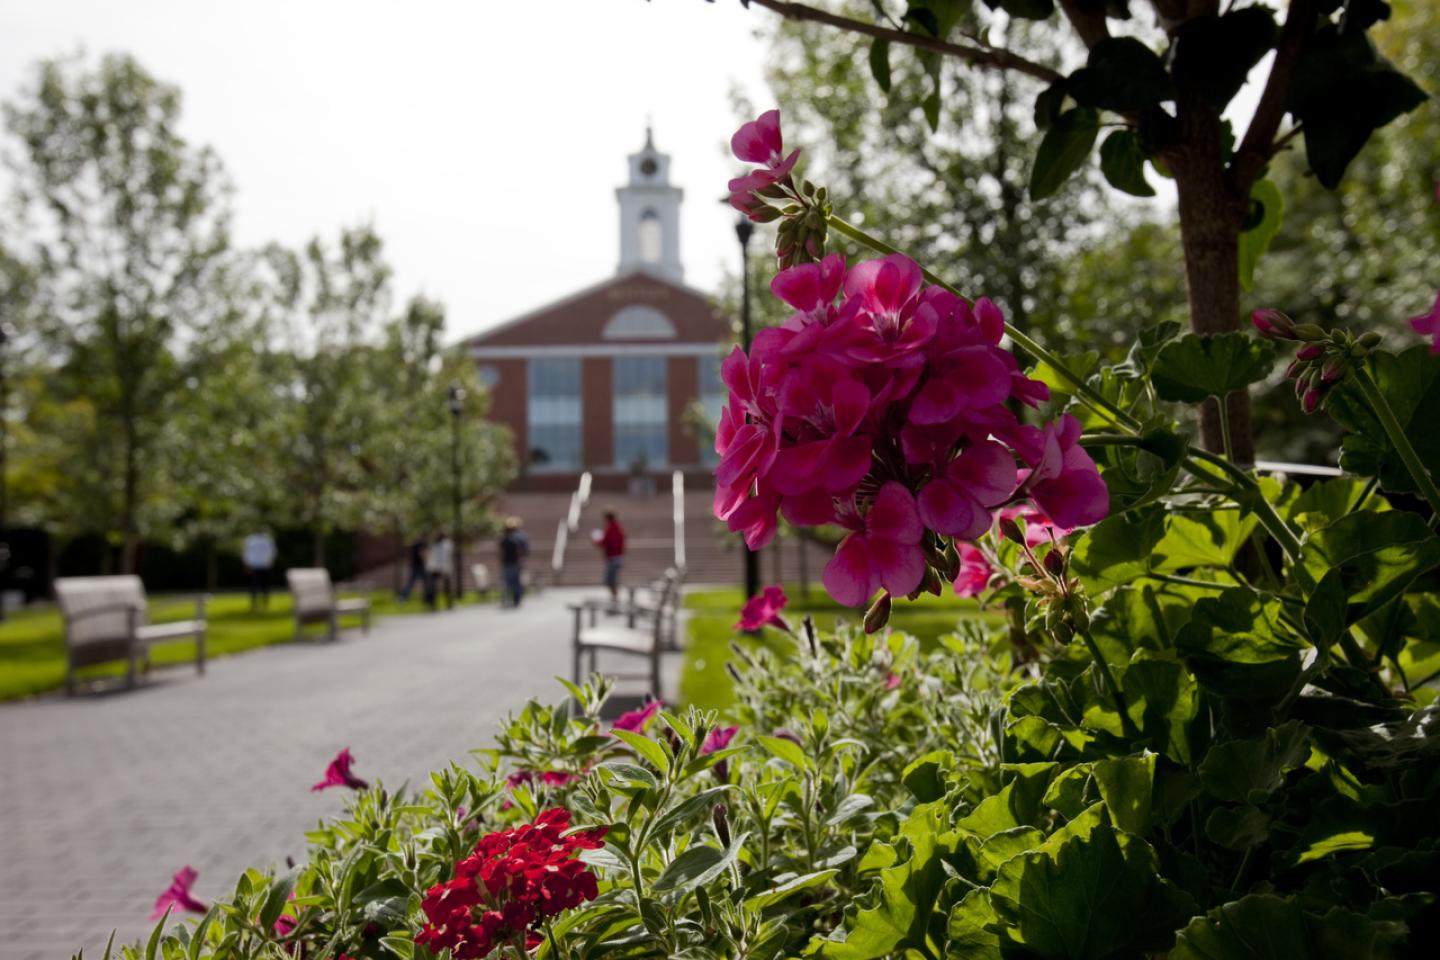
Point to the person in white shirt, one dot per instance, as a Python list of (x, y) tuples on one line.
[(258, 556), (439, 563)]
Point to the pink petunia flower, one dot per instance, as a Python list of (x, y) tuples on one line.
[(1428, 325), (1065, 483), (635, 721), (975, 571), (338, 774), (718, 739), (882, 550), (764, 610), (177, 896), (957, 502)]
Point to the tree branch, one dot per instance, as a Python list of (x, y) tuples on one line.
[(992, 58), (1259, 144)]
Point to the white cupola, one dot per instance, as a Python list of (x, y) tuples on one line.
[(650, 216)]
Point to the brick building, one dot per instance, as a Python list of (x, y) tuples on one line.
[(601, 380)]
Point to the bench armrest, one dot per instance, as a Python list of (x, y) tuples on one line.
[(108, 608)]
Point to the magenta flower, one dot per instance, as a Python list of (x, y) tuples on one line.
[(957, 502), (975, 571), (764, 610), (177, 896), (1273, 324), (889, 319), (1066, 483), (338, 774), (635, 721), (892, 681), (759, 141), (718, 739), (1038, 528), (752, 515), (823, 410), (882, 550), (811, 289), (1428, 325)]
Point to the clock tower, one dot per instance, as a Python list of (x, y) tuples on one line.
[(650, 216)]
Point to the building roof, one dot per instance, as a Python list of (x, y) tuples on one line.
[(632, 309)]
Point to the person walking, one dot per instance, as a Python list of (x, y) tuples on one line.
[(258, 555), (419, 573), (514, 548), (439, 564), (612, 545)]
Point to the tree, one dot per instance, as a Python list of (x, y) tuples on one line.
[(123, 221), (329, 305), (1167, 109)]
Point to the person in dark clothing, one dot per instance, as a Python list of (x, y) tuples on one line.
[(419, 550), (514, 548)]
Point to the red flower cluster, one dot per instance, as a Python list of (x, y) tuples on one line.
[(515, 879)]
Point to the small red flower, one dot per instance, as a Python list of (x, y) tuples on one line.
[(513, 881), (338, 774), (178, 895), (763, 610), (635, 721)]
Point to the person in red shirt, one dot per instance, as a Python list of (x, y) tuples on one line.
[(612, 544)]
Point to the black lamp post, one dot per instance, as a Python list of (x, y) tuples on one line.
[(456, 395), (743, 229)]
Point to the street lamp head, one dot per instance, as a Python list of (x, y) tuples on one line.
[(456, 394), (743, 230)]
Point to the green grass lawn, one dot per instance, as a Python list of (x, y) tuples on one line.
[(32, 646), (703, 680)]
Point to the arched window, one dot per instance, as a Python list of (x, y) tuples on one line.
[(638, 322), (650, 236)]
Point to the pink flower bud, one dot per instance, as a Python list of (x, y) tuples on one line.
[(1272, 323), (1311, 351), (1311, 401)]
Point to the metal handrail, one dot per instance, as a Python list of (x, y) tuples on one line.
[(677, 490)]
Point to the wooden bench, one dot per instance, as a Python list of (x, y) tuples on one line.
[(646, 632), (316, 602), (105, 620)]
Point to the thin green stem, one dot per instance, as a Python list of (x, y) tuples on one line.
[(1125, 722), (1423, 481), (1224, 419), (1087, 395), (1264, 512)]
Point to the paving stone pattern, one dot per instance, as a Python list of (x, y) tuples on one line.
[(104, 796)]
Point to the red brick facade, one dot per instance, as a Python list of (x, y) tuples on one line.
[(636, 315)]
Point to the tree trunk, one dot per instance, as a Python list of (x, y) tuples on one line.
[(212, 566), (1210, 219), (317, 535), (129, 533), (399, 565)]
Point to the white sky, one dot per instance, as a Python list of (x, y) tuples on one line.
[(483, 139)]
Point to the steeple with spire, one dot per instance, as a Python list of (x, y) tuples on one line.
[(650, 215)]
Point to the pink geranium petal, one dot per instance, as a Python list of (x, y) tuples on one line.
[(986, 471), (900, 566), (948, 509), (849, 576), (893, 515)]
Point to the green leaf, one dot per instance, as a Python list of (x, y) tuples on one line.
[(787, 750), (1122, 75), (1195, 367), (646, 748), (880, 62), (275, 900), (1048, 104), (1267, 927), (1363, 561), (689, 809), (1342, 91), (1237, 828), (1410, 383), (1164, 701), (1088, 897), (1213, 55), (897, 912), (969, 930), (697, 866), (1123, 163), (1248, 771), (1125, 784), (1238, 646), (630, 772), (924, 777), (1064, 150), (775, 894), (1256, 240)]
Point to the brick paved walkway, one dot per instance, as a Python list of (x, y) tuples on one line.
[(103, 797)]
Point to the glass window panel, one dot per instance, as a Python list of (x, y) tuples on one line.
[(641, 411), (554, 412), (713, 397)]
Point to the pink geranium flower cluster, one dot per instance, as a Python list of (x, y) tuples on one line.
[(886, 406)]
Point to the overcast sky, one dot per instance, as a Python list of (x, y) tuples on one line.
[(483, 139)]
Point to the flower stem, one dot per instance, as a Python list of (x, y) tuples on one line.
[(1383, 411), (1126, 723), (1091, 397), (1224, 418)]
